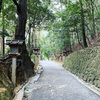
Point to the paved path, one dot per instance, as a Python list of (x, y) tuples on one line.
[(56, 83)]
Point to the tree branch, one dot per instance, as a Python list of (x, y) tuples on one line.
[(15, 2), (17, 5)]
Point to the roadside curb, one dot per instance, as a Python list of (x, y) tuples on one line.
[(89, 86), (27, 87)]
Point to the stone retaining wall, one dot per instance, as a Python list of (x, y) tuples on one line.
[(85, 64)]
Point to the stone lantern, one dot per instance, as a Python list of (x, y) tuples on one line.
[(36, 50), (16, 47)]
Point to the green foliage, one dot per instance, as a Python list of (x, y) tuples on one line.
[(4, 33), (63, 23), (32, 57), (67, 27), (5, 95), (38, 13), (1, 54)]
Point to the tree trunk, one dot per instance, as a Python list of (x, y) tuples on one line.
[(0, 5), (35, 39), (3, 38), (93, 21), (29, 40), (78, 37), (20, 35), (69, 41), (83, 25)]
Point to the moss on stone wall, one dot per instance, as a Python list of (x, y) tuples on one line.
[(85, 64)]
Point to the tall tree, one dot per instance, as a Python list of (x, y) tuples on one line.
[(20, 35), (0, 5), (3, 37), (93, 20), (83, 24), (22, 18)]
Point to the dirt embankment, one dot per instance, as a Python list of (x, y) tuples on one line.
[(85, 64), (6, 89)]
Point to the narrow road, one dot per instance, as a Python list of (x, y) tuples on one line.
[(56, 83)]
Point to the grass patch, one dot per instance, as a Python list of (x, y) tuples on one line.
[(5, 94)]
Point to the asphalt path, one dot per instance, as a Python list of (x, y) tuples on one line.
[(55, 83)]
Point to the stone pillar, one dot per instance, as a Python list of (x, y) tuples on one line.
[(14, 70)]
